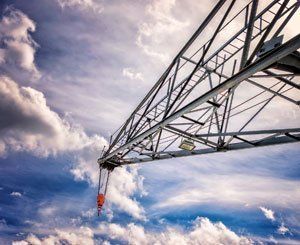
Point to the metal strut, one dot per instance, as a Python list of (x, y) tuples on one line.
[(215, 90)]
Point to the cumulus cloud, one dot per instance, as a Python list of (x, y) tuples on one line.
[(83, 235), (82, 4), (17, 48), (124, 183), (132, 74), (202, 232), (16, 194), (158, 28), (30, 125), (268, 213)]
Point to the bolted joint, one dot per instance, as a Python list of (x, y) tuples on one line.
[(108, 165)]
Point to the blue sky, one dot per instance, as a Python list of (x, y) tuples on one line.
[(71, 71)]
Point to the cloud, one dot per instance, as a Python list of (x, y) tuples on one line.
[(47, 211), (282, 229), (235, 191), (89, 213), (124, 183), (228, 180), (132, 74), (202, 232), (16, 194), (82, 4), (17, 48), (268, 213), (158, 28), (83, 235), (30, 125)]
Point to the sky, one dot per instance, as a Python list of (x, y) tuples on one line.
[(71, 72)]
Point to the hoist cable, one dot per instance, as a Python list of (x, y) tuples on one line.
[(108, 174), (99, 180)]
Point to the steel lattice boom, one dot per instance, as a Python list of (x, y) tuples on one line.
[(217, 93)]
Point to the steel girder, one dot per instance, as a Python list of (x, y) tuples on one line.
[(200, 93)]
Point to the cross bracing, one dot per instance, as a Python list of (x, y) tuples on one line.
[(222, 91)]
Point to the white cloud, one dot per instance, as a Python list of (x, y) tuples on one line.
[(92, 212), (47, 211), (89, 213), (160, 26), (86, 167), (268, 213), (236, 190), (18, 48), (82, 4), (282, 229), (16, 194), (124, 183), (30, 125), (202, 232), (83, 235), (132, 74)]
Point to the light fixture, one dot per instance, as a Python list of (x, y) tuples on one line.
[(187, 144)]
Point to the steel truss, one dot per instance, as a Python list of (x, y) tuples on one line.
[(214, 89)]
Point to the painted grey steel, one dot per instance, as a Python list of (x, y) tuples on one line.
[(249, 33), (254, 132), (259, 65), (186, 46), (235, 146), (167, 113)]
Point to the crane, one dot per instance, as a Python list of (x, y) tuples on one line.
[(213, 95)]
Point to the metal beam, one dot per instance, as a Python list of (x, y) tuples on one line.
[(249, 33), (206, 49), (232, 147), (282, 79), (252, 132), (267, 32), (259, 65), (165, 74), (273, 92), (189, 135)]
